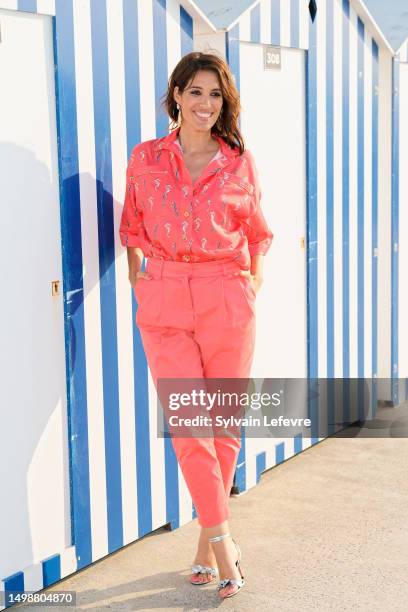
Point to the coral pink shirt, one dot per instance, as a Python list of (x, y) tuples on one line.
[(216, 218)]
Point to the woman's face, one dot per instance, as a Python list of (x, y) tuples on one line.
[(201, 101)]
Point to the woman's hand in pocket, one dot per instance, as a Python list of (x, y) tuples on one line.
[(136, 275), (255, 279)]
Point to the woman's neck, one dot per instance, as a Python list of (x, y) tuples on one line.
[(195, 142)]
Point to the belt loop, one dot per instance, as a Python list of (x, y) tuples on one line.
[(161, 268)]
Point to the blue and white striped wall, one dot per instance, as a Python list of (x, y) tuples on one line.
[(348, 69), (399, 227), (113, 59)]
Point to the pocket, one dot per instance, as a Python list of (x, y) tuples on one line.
[(148, 296), (137, 287), (239, 299), (249, 286)]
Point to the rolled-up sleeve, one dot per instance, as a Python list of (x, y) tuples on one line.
[(257, 231), (131, 230)]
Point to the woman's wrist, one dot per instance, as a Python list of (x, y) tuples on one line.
[(256, 271)]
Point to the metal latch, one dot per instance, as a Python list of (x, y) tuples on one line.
[(55, 287)]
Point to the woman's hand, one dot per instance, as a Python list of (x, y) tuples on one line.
[(135, 259), (135, 275), (255, 279)]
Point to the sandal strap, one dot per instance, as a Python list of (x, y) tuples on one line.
[(223, 583), (219, 538), (202, 569)]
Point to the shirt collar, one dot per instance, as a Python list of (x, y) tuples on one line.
[(169, 142)]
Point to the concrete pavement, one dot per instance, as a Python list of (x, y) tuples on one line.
[(326, 530)]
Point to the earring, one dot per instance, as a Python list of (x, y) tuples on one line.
[(178, 114)]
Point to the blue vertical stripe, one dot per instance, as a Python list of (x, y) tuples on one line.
[(275, 22), (346, 184), (395, 231), (260, 465), (132, 75), (51, 570), (27, 5), (280, 453), (311, 229), (186, 32), (140, 384), (107, 277), (12, 585), (329, 215), (360, 217), (172, 484), (345, 170), (160, 63), (298, 443), (329, 190), (360, 204), (73, 280), (294, 24), (255, 18), (233, 53), (374, 191), (311, 201)]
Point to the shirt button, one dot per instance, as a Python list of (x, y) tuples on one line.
[(186, 213), (186, 257)]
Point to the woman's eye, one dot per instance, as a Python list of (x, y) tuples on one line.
[(215, 93)]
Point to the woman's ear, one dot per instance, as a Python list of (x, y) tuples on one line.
[(176, 94)]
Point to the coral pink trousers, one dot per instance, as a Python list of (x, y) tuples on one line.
[(197, 320)]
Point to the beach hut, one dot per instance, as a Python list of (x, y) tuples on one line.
[(83, 472), (315, 81)]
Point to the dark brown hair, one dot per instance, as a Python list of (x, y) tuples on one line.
[(184, 73)]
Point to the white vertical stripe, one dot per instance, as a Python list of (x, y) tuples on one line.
[(92, 315), (245, 26), (338, 191), (367, 205), (353, 84), (173, 36), (124, 320), (321, 191), (46, 7), (304, 17), (403, 226), (185, 501), (9, 4), (285, 15), (146, 71), (33, 577), (266, 22), (68, 561)]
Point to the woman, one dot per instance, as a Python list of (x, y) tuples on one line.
[(192, 207)]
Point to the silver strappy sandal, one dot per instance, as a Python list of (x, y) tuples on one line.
[(202, 569), (234, 581)]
